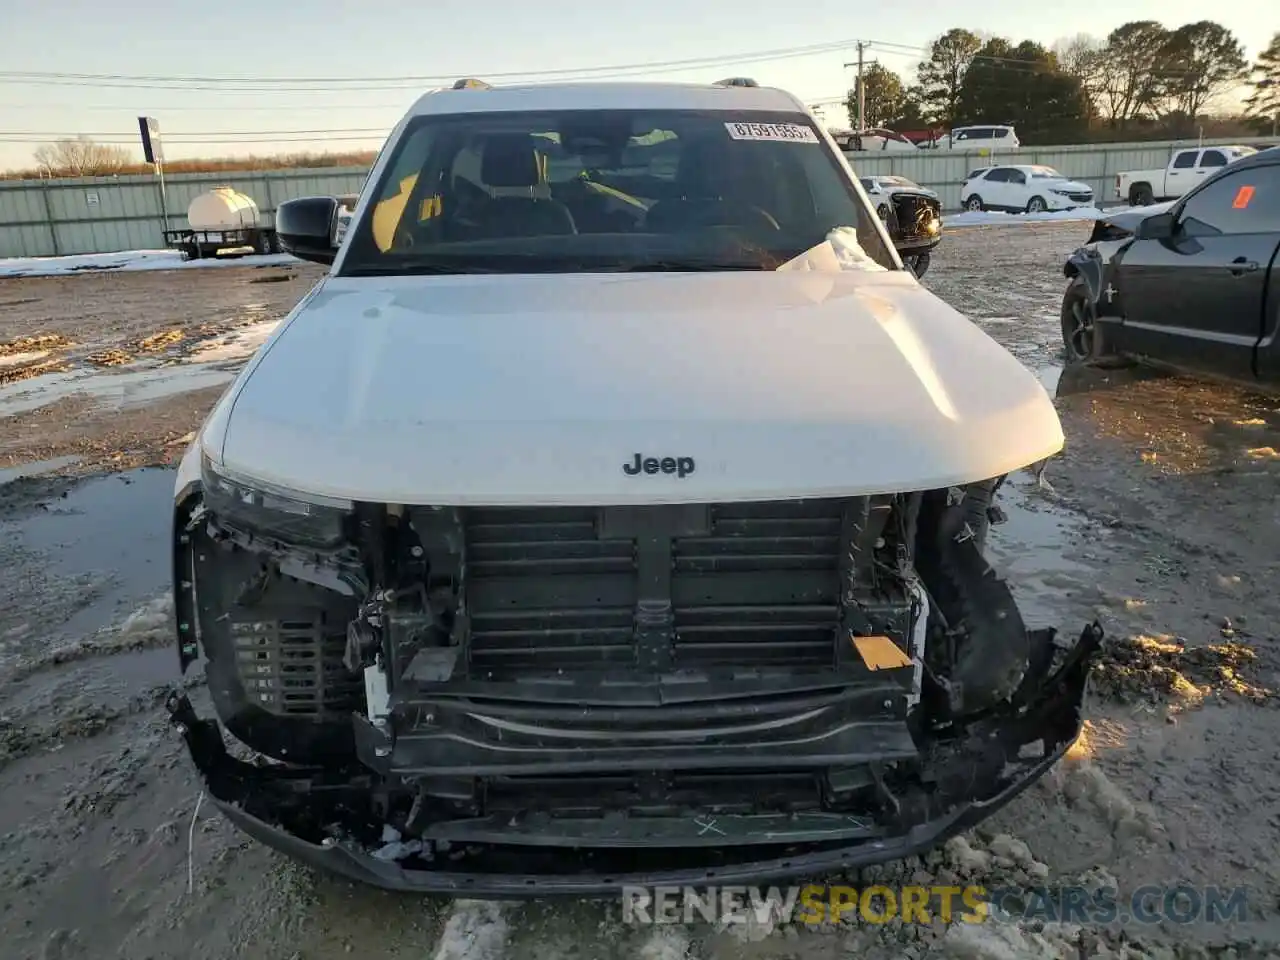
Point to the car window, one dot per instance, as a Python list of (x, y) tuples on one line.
[(999, 134), (1186, 159), (1041, 173), (868, 183), (1246, 201), (590, 190), (1213, 158), (1017, 176), (999, 174), (974, 174)]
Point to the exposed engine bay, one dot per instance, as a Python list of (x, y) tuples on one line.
[(488, 698)]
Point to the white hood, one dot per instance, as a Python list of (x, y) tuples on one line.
[(1075, 186), (501, 390)]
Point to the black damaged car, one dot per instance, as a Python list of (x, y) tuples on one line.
[(1192, 285)]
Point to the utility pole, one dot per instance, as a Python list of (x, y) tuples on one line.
[(862, 93)]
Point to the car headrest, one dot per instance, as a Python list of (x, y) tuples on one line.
[(510, 160)]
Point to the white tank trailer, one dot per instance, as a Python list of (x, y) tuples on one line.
[(223, 221)]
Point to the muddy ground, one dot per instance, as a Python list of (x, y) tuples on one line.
[(1161, 519)]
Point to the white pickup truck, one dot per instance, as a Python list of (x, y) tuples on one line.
[(1186, 168)]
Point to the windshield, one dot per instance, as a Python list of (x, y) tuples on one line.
[(1041, 173), (607, 190)]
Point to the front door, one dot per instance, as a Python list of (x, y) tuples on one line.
[(994, 188), (1180, 176), (1196, 298)]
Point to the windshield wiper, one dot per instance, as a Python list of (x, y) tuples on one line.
[(419, 269), (692, 266)]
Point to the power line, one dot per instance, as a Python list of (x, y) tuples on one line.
[(330, 84), (43, 134), (327, 106), (371, 138)]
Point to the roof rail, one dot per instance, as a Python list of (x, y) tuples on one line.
[(737, 82), (471, 83)]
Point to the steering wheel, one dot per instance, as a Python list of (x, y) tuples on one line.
[(741, 215), (759, 213), (403, 238)]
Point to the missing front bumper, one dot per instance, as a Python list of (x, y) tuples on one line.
[(324, 816)]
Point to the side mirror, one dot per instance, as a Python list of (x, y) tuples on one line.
[(1159, 226), (305, 228)]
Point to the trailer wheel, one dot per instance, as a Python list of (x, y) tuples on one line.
[(189, 251), (274, 241), (262, 244)]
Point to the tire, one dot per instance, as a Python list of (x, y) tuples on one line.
[(262, 244), (882, 212), (974, 203), (919, 264), (1140, 195), (274, 241), (1037, 205), (1084, 341)]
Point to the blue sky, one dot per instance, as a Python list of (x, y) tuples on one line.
[(448, 38)]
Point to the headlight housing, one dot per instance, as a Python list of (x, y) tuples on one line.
[(268, 511)]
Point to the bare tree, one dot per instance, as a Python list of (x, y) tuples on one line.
[(1127, 84), (1200, 61), (1084, 57), (81, 157)]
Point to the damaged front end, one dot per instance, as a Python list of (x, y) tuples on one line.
[(516, 702), (915, 225)]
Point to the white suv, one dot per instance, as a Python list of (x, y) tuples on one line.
[(612, 512), (1032, 188), (981, 138)]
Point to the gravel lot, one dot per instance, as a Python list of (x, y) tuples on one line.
[(1160, 519)]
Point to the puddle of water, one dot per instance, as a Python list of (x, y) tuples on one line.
[(16, 359), (144, 384), (116, 526), (238, 344), (1049, 377), (9, 474), (1031, 551)]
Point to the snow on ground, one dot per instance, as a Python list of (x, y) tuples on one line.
[(985, 218), (128, 260)]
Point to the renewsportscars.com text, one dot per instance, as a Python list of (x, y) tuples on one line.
[(815, 904)]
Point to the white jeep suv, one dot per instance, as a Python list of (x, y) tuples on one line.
[(612, 512)]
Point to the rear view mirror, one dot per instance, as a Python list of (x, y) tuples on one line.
[(305, 228), (1159, 226)]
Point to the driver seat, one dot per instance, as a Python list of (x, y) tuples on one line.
[(512, 160), (710, 192)]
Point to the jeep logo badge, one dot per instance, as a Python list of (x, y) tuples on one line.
[(680, 466)]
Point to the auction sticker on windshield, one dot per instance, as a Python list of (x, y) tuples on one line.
[(790, 132)]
